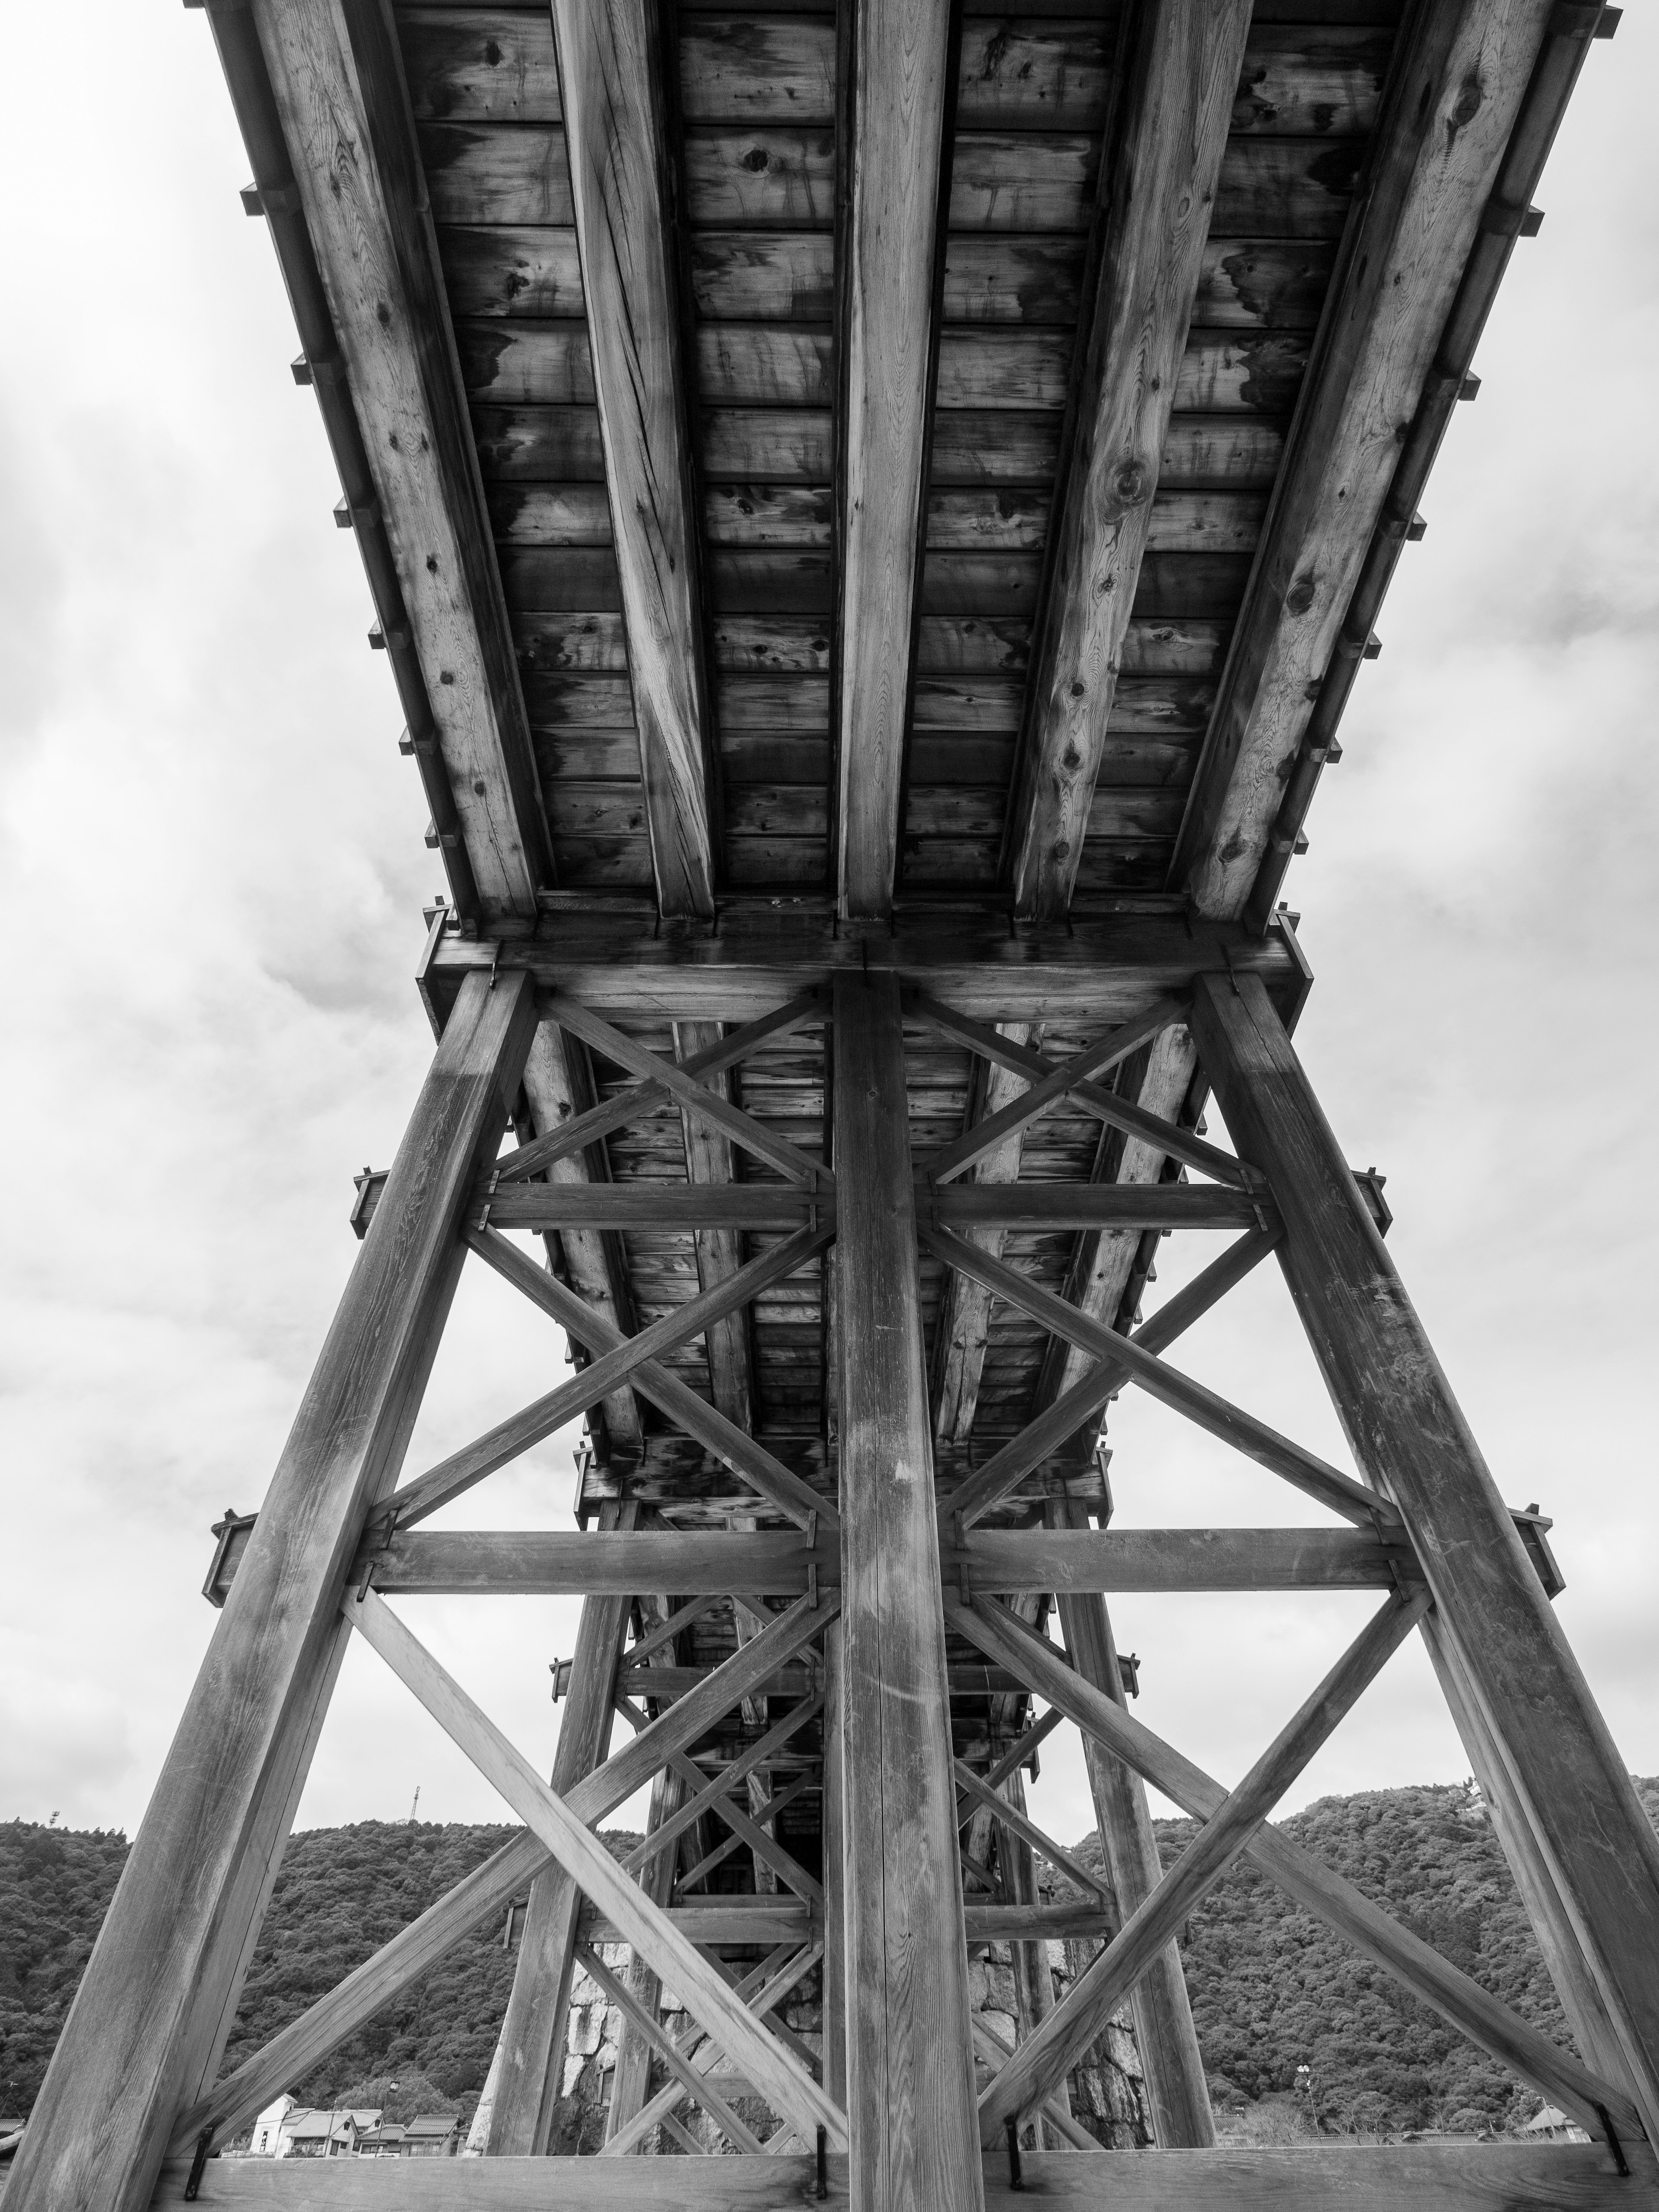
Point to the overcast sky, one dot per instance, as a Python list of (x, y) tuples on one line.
[(215, 869)]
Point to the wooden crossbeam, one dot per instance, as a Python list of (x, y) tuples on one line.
[(700, 1208), (508, 1439), (896, 90), (767, 1858), (767, 1850), (964, 1331), (1210, 1411), (1155, 203), (1177, 1144), (1448, 109), (975, 1792), (1045, 1090), (614, 74), (1061, 1418), (691, 1809), (1462, 2177), (778, 2076), (649, 1096), (711, 1162), (1455, 1996), (990, 2048), (697, 2085), (295, 2050), (792, 1497), (1047, 2057), (1103, 970), (692, 1097)]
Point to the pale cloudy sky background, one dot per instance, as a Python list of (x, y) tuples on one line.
[(215, 869)]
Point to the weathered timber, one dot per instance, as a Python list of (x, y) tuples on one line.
[(295, 2050), (1171, 2062), (631, 2080), (1014, 1818), (144, 2036), (910, 2082), (1310, 1475), (1475, 2176), (1455, 1996), (898, 62), (775, 2073), (646, 2024), (1175, 113), (963, 1332), (1408, 1432), (337, 79), (530, 2049), (1447, 116), (710, 1162), (1048, 2056), (613, 63), (1111, 969)]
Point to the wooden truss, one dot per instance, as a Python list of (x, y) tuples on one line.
[(886, 1646)]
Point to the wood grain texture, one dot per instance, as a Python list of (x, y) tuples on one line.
[(1179, 108), (1044, 2061), (1408, 1433), (774, 2072), (1446, 120), (966, 1323), (910, 2082), (1432, 2178), (530, 2049), (611, 66), (1455, 1996), (899, 59), (295, 2050), (145, 2034), (339, 84)]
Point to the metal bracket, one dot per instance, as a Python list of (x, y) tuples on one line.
[(1014, 2180), (204, 2144), (821, 2186)]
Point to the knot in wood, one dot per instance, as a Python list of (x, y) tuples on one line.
[(1132, 483), (1300, 597)]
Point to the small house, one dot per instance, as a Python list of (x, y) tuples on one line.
[(321, 2135), (386, 2141), (434, 2135)]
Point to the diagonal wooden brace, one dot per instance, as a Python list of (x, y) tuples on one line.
[(775, 2075)]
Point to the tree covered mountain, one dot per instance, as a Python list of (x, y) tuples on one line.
[(1273, 1991)]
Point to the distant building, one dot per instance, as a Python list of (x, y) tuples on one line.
[(384, 2142), (267, 2140), (326, 2134), (1554, 2126), (436, 2135)]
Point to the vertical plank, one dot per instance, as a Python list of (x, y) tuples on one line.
[(900, 65), (834, 1876), (910, 2065), (710, 1159), (632, 2078), (964, 1330), (1034, 1984), (1409, 1435), (1155, 215), (144, 2036), (614, 76), (532, 2041), (1164, 2033)]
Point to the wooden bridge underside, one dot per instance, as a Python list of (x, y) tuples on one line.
[(874, 513)]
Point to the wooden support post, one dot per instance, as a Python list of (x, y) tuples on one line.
[(144, 2036), (911, 2079), (531, 2058), (1164, 2033), (1408, 1434), (835, 1858), (631, 2082), (1033, 1984)]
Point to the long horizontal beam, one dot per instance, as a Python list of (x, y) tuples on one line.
[(1110, 969), (536, 1563), (1464, 2177), (762, 1206)]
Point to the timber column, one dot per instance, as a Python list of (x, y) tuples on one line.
[(910, 2102), (1537, 1717), (146, 2032)]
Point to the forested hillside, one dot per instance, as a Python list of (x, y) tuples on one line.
[(1271, 1990)]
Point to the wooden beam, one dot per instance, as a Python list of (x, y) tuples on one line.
[(832, 1825), (297, 2049), (632, 2077), (1408, 1432), (707, 1208), (710, 1209), (897, 89), (965, 1316), (1450, 1992), (1060, 1420), (530, 2053), (911, 2081), (646, 2024), (1449, 110), (614, 75), (1043, 2063), (1013, 1817), (1041, 1207), (1107, 970), (145, 2034), (1464, 2177), (1314, 1476), (1156, 192), (775, 2075), (1172, 2063), (791, 1495), (710, 1161), (558, 1084), (338, 82)]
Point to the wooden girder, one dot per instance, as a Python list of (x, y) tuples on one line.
[(1156, 190), (1453, 94)]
